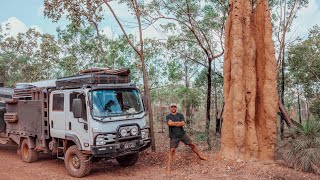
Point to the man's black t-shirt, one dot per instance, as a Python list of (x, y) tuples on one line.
[(175, 132)]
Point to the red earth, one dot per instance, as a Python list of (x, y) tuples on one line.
[(151, 165)]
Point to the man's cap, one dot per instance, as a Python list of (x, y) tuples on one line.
[(173, 104)]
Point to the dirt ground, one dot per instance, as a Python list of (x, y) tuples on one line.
[(150, 166)]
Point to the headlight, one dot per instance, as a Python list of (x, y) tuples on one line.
[(123, 132), (134, 131), (99, 141), (145, 134)]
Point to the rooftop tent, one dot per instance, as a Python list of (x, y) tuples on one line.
[(6, 92), (24, 90), (40, 84)]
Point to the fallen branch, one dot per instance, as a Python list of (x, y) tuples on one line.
[(285, 115)]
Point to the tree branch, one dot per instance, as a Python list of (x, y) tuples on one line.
[(124, 32), (290, 18), (137, 12), (190, 20)]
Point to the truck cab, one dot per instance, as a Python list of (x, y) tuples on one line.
[(105, 121)]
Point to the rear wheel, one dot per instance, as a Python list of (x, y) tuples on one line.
[(128, 160), (77, 164), (28, 155)]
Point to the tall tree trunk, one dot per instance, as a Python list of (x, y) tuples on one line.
[(250, 83), (299, 106), (218, 119), (147, 94), (187, 85), (282, 95), (307, 108), (219, 122), (283, 65), (207, 131)]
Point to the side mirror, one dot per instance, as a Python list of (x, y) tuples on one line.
[(77, 108)]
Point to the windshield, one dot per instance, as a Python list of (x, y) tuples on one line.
[(115, 102)]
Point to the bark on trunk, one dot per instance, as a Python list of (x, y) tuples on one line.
[(218, 124), (250, 83), (307, 108), (282, 95), (187, 85), (208, 118), (147, 94), (299, 108), (285, 115)]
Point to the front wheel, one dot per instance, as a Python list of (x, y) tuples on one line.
[(128, 160), (77, 164), (28, 155)]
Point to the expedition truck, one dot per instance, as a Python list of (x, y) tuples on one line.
[(80, 119)]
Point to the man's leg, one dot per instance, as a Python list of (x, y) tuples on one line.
[(170, 157), (173, 145), (187, 140), (196, 150)]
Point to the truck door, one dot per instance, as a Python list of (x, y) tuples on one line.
[(57, 115), (77, 127)]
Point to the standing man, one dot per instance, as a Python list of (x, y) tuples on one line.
[(176, 122)]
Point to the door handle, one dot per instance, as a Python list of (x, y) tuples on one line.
[(69, 125)]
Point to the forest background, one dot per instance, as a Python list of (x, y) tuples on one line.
[(174, 50)]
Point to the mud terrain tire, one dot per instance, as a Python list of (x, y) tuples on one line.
[(77, 164), (28, 155)]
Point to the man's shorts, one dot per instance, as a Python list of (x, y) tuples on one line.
[(175, 142)]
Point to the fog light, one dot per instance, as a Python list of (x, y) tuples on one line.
[(99, 141), (134, 131), (123, 132)]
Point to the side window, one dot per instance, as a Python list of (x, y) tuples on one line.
[(58, 102), (74, 95)]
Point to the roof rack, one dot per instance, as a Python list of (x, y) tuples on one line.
[(106, 71), (88, 77), (94, 76)]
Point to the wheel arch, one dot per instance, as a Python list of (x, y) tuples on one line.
[(74, 139), (31, 141)]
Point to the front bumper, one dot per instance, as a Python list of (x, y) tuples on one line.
[(120, 149)]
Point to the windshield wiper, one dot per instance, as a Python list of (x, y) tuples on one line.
[(111, 113)]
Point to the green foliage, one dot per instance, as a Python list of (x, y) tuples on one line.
[(27, 57), (309, 128), (303, 152), (304, 64), (200, 137), (202, 80), (188, 96), (174, 71), (315, 108), (302, 74), (79, 49), (78, 11)]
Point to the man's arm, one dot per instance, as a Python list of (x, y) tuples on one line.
[(177, 124)]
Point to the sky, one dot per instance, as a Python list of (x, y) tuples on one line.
[(23, 14)]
